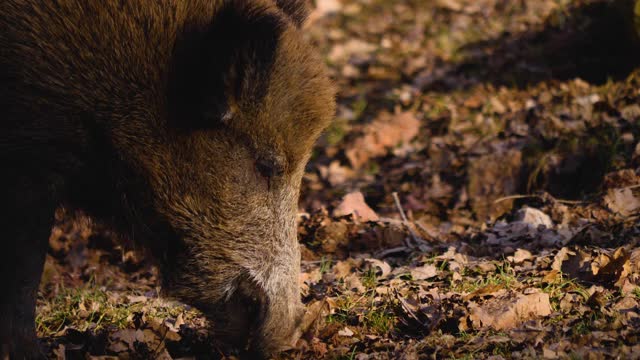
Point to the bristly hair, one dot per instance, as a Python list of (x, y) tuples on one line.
[(230, 60), (297, 10)]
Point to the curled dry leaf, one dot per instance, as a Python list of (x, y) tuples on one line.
[(560, 257), (384, 267), (604, 268), (616, 268)]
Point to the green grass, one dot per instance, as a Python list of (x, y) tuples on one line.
[(380, 321), (583, 327), (325, 265), (560, 286), (504, 276), (82, 308), (365, 312), (350, 356), (91, 306), (370, 279), (344, 305)]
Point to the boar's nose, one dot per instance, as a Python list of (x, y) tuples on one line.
[(279, 327), (237, 323), (254, 323)]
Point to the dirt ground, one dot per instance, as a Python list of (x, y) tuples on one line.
[(478, 197)]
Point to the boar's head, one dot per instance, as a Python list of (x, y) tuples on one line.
[(194, 119), (247, 98)]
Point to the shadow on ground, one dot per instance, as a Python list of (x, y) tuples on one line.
[(594, 42)]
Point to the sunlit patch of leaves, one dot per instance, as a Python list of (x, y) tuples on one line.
[(82, 308), (94, 307)]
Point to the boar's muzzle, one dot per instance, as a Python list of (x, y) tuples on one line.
[(252, 325)]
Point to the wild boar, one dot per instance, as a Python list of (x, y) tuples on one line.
[(186, 124)]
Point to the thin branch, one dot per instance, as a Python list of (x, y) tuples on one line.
[(514, 197), (417, 241), (387, 252)]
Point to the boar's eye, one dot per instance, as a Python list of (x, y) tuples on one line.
[(269, 168)]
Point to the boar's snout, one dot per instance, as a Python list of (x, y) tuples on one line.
[(255, 322)]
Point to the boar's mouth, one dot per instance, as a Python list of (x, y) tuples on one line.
[(238, 319)]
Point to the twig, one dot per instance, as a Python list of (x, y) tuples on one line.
[(161, 344), (399, 206), (405, 221), (513, 197), (387, 252)]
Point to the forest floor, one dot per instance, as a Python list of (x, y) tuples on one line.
[(478, 197)]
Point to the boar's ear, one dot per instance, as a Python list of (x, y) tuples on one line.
[(223, 64), (297, 10)]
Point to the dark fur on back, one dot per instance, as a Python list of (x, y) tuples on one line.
[(186, 124)]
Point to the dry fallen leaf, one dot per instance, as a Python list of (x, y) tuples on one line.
[(520, 256), (426, 271), (384, 267), (622, 201), (508, 311), (311, 277), (489, 290), (137, 299), (345, 332), (325, 7), (551, 276), (453, 5), (123, 340), (342, 52), (383, 133), (352, 282), (616, 269), (353, 203), (561, 256), (534, 217), (335, 173), (342, 269)]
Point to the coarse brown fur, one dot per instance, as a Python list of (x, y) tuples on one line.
[(187, 124)]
